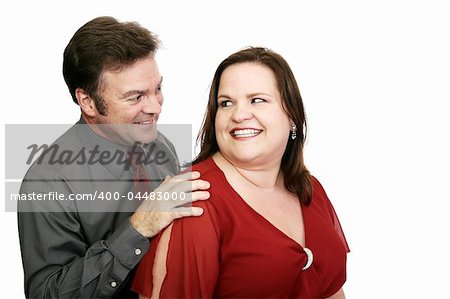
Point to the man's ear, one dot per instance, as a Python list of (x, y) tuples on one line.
[(86, 103)]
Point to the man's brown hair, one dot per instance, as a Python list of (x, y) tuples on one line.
[(104, 44)]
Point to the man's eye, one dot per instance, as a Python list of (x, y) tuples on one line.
[(258, 100), (159, 88), (225, 104), (135, 99)]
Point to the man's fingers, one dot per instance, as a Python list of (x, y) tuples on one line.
[(167, 201), (189, 198), (200, 185), (200, 195), (183, 186), (187, 212), (192, 175)]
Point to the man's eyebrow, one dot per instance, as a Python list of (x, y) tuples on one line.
[(138, 92), (133, 92)]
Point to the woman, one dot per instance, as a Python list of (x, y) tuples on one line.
[(268, 229)]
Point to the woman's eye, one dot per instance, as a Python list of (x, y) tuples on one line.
[(258, 100), (225, 104)]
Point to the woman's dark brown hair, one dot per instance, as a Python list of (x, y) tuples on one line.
[(297, 178)]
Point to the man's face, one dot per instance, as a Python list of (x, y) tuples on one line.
[(133, 101)]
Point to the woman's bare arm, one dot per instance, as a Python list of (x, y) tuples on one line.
[(339, 295), (159, 267)]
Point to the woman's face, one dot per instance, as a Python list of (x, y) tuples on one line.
[(251, 126)]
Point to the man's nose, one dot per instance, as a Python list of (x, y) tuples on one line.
[(152, 104)]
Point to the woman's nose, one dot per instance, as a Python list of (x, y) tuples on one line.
[(242, 112)]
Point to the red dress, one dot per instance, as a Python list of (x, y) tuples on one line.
[(231, 251)]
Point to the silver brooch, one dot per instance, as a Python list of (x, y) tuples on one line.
[(309, 258)]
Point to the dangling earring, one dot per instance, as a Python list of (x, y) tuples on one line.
[(293, 130)]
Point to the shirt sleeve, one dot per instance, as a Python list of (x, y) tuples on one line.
[(192, 264), (59, 263), (333, 215), (334, 282)]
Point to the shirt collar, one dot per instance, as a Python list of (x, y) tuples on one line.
[(93, 141)]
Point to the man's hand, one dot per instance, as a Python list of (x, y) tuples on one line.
[(173, 199)]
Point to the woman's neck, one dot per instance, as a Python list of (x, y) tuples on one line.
[(267, 177)]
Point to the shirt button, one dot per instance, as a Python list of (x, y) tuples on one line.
[(137, 251), (113, 284)]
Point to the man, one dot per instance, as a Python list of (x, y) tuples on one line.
[(89, 248)]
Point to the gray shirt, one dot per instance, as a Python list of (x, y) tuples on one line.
[(87, 248)]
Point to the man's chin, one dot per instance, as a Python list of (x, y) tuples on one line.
[(145, 139), (144, 136)]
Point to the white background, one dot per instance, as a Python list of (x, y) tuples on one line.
[(374, 76)]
